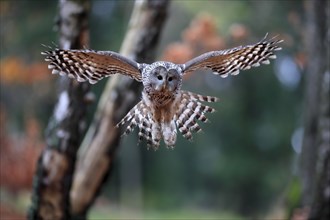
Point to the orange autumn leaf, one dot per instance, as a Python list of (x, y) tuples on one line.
[(11, 69), (15, 71), (238, 32), (178, 53), (201, 36), (18, 155)]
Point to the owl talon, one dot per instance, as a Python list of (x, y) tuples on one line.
[(170, 147), (155, 147)]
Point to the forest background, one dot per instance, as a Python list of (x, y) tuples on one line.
[(248, 160)]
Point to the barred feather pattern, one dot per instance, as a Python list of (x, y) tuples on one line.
[(190, 110), (90, 65), (139, 116), (164, 107), (231, 61)]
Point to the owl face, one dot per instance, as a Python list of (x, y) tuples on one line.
[(163, 77)]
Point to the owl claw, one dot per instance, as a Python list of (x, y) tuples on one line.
[(154, 147), (171, 147)]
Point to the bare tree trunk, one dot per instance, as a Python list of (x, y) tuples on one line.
[(54, 174), (316, 149), (121, 93), (320, 208)]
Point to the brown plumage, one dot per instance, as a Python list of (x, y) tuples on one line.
[(164, 107)]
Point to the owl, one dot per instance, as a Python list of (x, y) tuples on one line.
[(164, 107)]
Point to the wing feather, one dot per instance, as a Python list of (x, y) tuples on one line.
[(139, 117), (190, 110), (91, 65), (231, 61)]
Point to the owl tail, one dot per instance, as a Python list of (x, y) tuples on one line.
[(149, 129), (139, 117), (190, 110)]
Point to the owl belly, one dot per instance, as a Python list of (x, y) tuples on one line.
[(161, 105), (162, 114)]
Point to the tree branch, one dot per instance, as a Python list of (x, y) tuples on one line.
[(119, 96), (316, 144), (54, 174)]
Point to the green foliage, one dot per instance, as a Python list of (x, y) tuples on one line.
[(294, 194)]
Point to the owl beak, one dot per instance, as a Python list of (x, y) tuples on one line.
[(160, 87)]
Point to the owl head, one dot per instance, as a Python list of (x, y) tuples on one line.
[(162, 77)]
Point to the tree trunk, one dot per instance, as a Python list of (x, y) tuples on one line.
[(316, 149), (120, 94), (54, 174)]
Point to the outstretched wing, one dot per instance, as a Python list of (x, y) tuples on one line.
[(231, 61), (91, 65)]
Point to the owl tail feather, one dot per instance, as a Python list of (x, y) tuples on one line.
[(190, 110), (138, 117)]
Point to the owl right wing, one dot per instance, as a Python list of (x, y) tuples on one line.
[(91, 65), (231, 61)]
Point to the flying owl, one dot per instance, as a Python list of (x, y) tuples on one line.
[(164, 107)]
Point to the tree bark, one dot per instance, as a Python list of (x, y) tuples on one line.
[(121, 93), (54, 174), (316, 149), (320, 208)]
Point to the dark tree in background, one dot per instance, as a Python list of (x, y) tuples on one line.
[(316, 143), (54, 174)]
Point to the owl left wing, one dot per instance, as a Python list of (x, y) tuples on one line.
[(231, 61), (91, 65)]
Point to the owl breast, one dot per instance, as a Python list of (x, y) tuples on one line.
[(161, 98), (162, 115)]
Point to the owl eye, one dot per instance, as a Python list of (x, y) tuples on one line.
[(170, 79), (159, 77)]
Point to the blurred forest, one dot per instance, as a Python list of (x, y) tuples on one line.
[(245, 163)]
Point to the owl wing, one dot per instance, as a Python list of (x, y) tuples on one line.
[(91, 65), (231, 61)]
